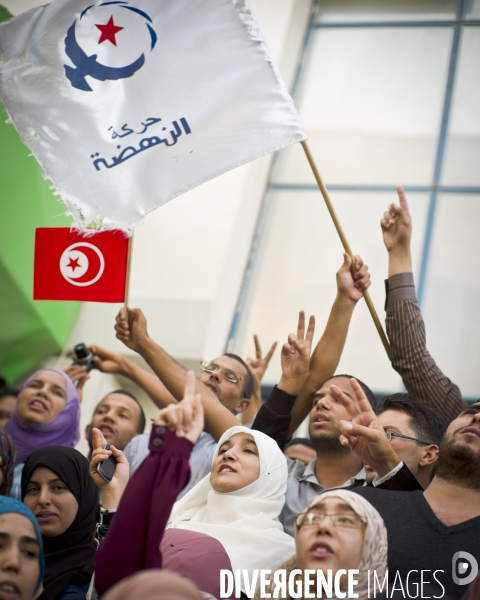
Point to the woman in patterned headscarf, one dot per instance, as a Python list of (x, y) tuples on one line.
[(338, 530), (7, 463)]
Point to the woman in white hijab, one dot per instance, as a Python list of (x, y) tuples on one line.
[(229, 520), (243, 520)]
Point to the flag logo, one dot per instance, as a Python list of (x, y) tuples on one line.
[(108, 42), (82, 264)]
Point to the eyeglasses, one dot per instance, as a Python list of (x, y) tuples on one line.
[(342, 520), (391, 434), (228, 374)]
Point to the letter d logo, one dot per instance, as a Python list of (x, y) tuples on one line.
[(462, 568)]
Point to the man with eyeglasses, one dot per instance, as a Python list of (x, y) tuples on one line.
[(427, 529), (414, 431), (225, 385)]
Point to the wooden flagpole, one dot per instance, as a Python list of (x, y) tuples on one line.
[(345, 243), (127, 275)]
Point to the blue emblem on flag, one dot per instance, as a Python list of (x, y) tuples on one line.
[(102, 37)]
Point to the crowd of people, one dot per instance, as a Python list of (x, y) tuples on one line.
[(382, 500)]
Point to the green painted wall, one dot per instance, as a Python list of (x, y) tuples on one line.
[(29, 331)]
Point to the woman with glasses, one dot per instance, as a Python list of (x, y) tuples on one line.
[(339, 530), (227, 521)]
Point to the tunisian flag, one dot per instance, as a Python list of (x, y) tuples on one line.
[(70, 266)]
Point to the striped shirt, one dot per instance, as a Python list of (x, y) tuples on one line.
[(421, 376)]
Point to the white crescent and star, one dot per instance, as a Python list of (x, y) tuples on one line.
[(82, 264)]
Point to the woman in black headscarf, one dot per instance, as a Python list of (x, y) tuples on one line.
[(57, 487), (7, 463)]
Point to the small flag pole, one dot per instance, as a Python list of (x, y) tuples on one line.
[(127, 275), (344, 241)]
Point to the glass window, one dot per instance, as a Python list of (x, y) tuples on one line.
[(299, 255), (473, 9), (371, 103), (462, 158), (379, 10), (373, 95), (453, 290)]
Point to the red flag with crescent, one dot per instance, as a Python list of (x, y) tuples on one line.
[(72, 266)]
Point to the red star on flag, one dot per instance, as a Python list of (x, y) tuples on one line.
[(74, 263), (109, 31)]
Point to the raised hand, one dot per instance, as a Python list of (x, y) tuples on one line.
[(397, 224), (131, 330), (106, 361), (112, 491), (352, 281), (295, 356), (79, 376), (364, 434), (185, 418), (259, 365)]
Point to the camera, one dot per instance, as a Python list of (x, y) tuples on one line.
[(83, 357)]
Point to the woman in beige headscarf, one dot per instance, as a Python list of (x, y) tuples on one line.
[(338, 530)]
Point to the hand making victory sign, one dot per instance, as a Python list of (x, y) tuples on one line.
[(259, 365), (364, 434), (295, 356)]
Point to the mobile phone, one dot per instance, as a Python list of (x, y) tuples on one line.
[(106, 469)]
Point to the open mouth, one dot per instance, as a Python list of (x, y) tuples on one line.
[(106, 429), (321, 550), (226, 468), (9, 590), (38, 405), (320, 418)]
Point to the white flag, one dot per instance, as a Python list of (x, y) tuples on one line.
[(128, 104)]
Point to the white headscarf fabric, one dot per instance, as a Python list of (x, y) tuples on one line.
[(245, 522)]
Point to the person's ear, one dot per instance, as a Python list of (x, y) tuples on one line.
[(242, 406), (428, 456)]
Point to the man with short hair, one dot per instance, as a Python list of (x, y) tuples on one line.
[(427, 529), (334, 465), (415, 431), (225, 385), (119, 417), (300, 449), (229, 379)]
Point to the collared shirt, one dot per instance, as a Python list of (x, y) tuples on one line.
[(200, 461), (303, 487)]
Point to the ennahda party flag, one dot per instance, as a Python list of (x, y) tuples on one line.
[(128, 104), (70, 266)]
